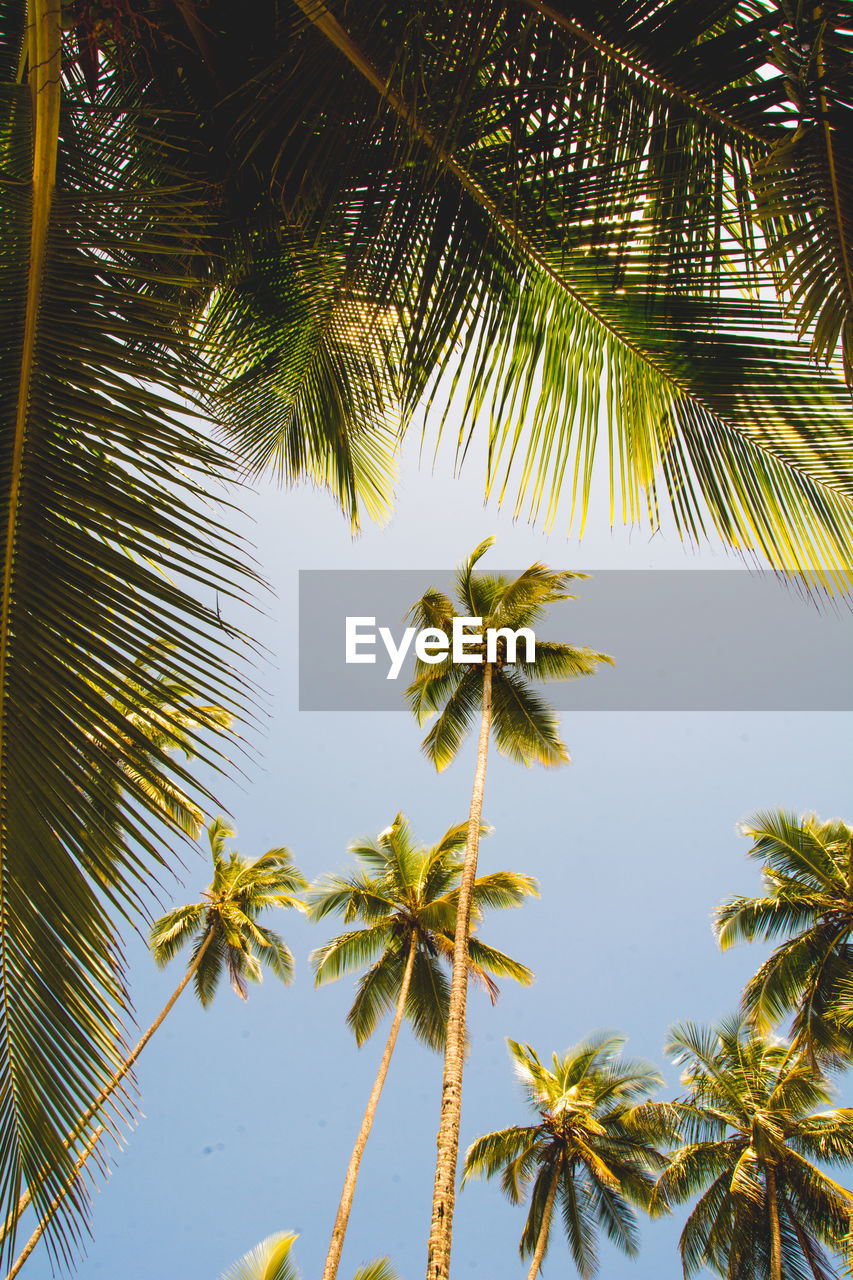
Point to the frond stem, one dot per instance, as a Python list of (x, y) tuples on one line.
[(43, 47), (645, 72)]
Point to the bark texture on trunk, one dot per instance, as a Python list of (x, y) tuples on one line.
[(333, 1258), (542, 1239), (109, 1089), (773, 1216), (444, 1194)]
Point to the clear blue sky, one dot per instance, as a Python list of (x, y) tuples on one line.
[(249, 1111)]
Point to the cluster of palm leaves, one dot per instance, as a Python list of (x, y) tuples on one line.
[(292, 220), (751, 1137)]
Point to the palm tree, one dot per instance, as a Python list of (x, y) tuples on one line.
[(807, 873), (526, 730), (225, 935), (592, 1149), (596, 211), (765, 1210), (407, 895), (271, 1260)]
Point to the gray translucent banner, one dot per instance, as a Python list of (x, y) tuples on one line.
[(691, 640)]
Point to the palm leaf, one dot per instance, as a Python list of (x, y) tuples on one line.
[(525, 728), (271, 1260), (103, 489)]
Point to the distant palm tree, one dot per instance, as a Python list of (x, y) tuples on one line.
[(592, 1150), (526, 730), (407, 895), (765, 1210), (271, 1260), (808, 899), (226, 935)]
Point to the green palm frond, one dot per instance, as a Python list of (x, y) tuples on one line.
[(804, 186), (497, 890), (379, 1270), (348, 951), (526, 729), (496, 962), (428, 1001), (306, 380), (488, 1155), (807, 901), (108, 495), (376, 993), (454, 720), (173, 930)]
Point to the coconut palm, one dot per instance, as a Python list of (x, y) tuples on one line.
[(526, 731), (271, 1260), (765, 1210), (572, 203), (407, 896), (807, 874), (224, 932), (592, 1150)]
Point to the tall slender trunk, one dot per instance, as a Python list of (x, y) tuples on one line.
[(339, 1230), (542, 1239), (773, 1215), (55, 1203), (444, 1193), (108, 1090)]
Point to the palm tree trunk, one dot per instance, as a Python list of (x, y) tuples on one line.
[(333, 1258), (542, 1239), (773, 1214), (108, 1090), (444, 1193), (57, 1201)]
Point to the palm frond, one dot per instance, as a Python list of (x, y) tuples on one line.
[(525, 728), (306, 383), (271, 1260), (376, 994), (172, 931), (346, 952)]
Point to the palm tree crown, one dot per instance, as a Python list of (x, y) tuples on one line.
[(525, 729), (592, 1148), (224, 926), (765, 1210), (407, 895), (807, 877), (271, 1260)]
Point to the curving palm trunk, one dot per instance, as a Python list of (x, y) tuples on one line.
[(444, 1193), (106, 1092), (333, 1258), (773, 1214), (542, 1239)]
